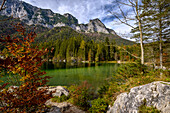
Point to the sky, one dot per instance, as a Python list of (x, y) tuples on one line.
[(84, 10)]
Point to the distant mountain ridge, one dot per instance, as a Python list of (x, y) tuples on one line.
[(33, 15)]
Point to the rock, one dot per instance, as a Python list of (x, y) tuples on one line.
[(97, 26), (11, 88), (94, 25), (64, 107), (57, 91), (157, 94), (71, 19), (53, 109)]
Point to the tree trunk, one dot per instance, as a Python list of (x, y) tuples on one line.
[(141, 35), (160, 38), (141, 44)]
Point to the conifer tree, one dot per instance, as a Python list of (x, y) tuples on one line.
[(82, 50), (155, 23), (107, 48)]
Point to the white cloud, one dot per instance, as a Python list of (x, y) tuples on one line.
[(83, 10), (121, 29)]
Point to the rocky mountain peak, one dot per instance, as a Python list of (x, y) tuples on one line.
[(32, 15), (68, 15), (96, 25), (71, 18), (96, 20)]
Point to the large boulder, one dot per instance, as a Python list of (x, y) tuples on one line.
[(156, 94)]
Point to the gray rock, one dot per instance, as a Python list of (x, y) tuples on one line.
[(64, 107), (157, 94), (12, 88), (94, 25), (57, 90), (97, 26), (53, 109)]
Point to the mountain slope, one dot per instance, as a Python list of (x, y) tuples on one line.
[(7, 26), (44, 19), (67, 32), (33, 15)]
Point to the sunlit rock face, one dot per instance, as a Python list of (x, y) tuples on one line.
[(97, 26), (94, 25), (33, 15), (156, 94)]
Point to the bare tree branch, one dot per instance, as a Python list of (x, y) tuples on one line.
[(2, 5), (123, 21), (122, 13), (132, 4), (124, 3)]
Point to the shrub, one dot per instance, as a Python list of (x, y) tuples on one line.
[(81, 95), (102, 90), (24, 61), (60, 99), (98, 106)]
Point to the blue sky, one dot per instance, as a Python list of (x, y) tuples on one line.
[(84, 10)]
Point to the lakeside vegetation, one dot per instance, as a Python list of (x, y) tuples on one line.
[(126, 77), (22, 58)]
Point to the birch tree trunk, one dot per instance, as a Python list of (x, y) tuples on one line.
[(140, 30), (160, 38)]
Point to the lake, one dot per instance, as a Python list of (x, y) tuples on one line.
[(66, 74)]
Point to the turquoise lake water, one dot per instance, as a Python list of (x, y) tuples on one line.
[(65, 74)]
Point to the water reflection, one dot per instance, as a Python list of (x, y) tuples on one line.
[(64, 65), (66, 74)]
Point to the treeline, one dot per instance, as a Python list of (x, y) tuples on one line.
[(77, 49)]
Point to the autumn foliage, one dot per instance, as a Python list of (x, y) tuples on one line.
[(22, 61)]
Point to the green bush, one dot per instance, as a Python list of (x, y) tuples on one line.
[(131, 70), (98, 106), (102, 90), (60, 99)]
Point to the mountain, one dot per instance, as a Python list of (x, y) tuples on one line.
[(51, 26), (45, 34), (66, 32), (94, 25), (7, 26), (33, 15)]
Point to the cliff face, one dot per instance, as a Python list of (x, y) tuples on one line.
[(32, 15), (94, 25)]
